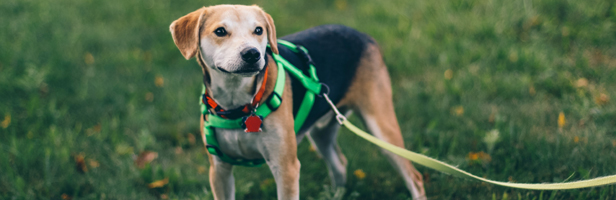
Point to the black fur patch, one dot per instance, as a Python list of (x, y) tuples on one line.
[(336, 51)]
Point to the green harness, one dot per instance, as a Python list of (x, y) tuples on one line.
[(311, 83)]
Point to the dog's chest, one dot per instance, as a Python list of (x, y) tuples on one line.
[(237, 143)]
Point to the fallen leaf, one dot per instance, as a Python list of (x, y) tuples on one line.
[(6, 122), (66, 197), (159, 183), (341, 4), (266, 183), (80, 163), (513, 56), (201, 170), (531, 91), (149, 96), (88, 58), (95, 129), (144, 158), (159, 81), (448, 74), (124, 149), (178, 150), (191, 139), (582, 82), (93, 163), (565, 32), (602, 99)]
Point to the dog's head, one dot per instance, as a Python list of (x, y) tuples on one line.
[(232, 38)]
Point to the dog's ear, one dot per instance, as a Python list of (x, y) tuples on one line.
[(271, 32), (185, 32)]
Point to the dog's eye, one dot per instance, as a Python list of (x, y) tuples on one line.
[(258, 30), (220, 32)]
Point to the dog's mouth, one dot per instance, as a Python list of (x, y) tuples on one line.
[(245, 71)]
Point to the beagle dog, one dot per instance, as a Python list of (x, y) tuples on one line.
[(230, 43)]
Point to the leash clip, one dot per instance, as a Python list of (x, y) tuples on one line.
[(323, 85), (339, 116)]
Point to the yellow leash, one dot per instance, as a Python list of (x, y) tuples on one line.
[(445, 168)]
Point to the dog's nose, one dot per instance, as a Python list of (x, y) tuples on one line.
[(250, 55)]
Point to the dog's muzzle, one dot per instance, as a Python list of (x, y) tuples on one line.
[(250, 55)]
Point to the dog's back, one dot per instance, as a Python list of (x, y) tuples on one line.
[(336, 51)]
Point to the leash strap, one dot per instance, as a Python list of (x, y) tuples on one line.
[(445, 168)]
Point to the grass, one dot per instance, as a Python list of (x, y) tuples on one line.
[(85, 86)]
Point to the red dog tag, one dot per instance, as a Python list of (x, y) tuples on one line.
[(253, 124)]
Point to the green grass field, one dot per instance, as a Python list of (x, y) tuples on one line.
[(509, 90)]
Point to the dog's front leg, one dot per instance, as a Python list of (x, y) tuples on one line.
[(221, 179), (286, 174), (282, 161)]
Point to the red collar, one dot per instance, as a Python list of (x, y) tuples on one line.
[(240, 111)]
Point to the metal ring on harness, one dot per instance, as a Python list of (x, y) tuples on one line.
[(326, 87)]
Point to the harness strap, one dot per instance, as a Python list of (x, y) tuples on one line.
[(311, 83), (237, 112), (214, 121)]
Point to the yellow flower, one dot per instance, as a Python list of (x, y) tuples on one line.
[(458, 110), (159, 81), (576, 139), (561, 120), (159, 183), (312, 148), (360, 174), (6, 122), (613, 143), (472, 156), (479, 156)]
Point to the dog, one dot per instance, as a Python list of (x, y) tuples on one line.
[(230, 43)]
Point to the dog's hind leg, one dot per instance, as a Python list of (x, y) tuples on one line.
[(370, 94), (323, 136)]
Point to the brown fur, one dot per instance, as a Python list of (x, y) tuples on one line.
[(185, 32), (370, 93)]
